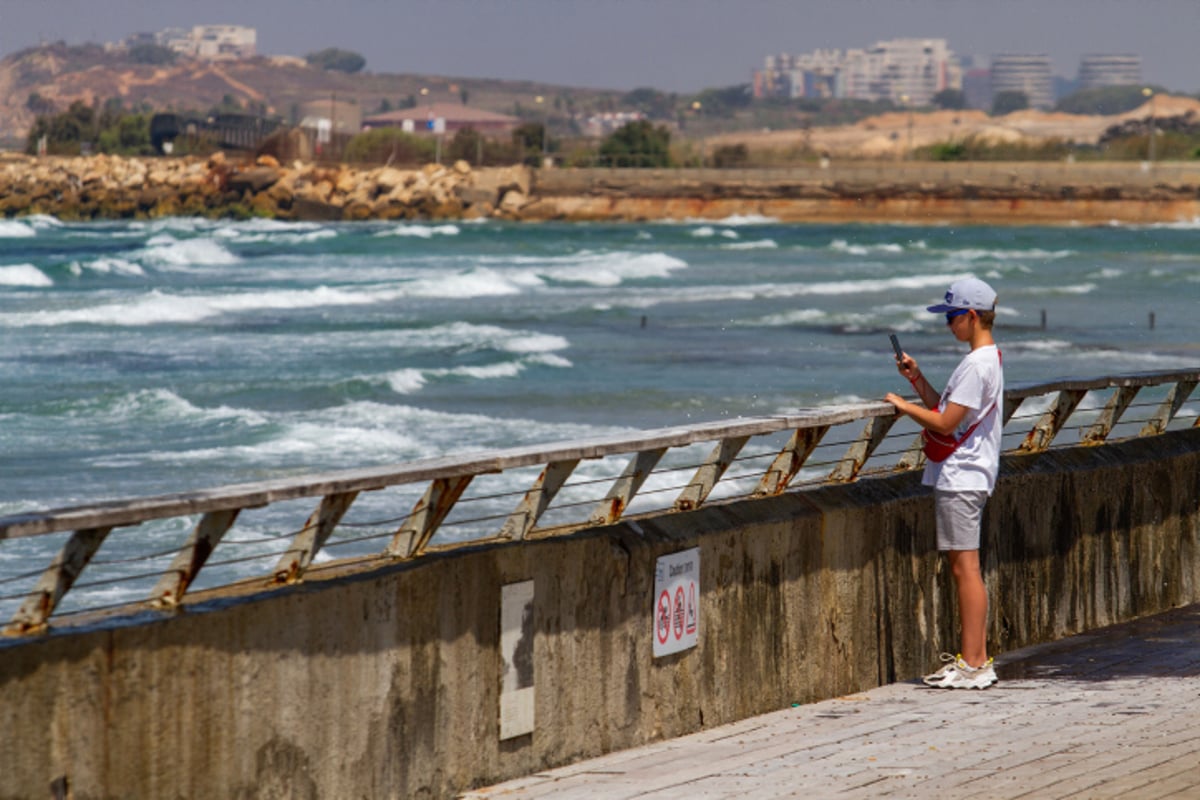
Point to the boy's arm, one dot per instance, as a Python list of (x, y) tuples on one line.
[(943, 422), (907, 366)]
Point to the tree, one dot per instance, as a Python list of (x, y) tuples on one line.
[(38, 104), (651, 102), (1105, 100), (152, 54), (1008, 101), (724, 102), (529, 141), (950, 99), (637, 144), (337, 60)]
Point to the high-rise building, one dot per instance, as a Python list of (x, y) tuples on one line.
[(1112, 69), (901, 70), (1026, 73)]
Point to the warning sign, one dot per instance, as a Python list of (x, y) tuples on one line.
[(676, 607)]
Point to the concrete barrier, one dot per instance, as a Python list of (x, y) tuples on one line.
[(387, 682)]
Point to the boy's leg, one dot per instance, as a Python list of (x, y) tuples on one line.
[(972, 604)]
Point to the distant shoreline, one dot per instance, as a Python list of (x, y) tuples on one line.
[(1031, 193)]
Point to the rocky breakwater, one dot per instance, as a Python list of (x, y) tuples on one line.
[(112, 187)]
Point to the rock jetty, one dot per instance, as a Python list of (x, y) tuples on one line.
[(112, 187)]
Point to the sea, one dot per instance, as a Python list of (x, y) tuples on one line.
[(151, 357)]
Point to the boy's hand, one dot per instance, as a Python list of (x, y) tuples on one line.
[(907, 366)]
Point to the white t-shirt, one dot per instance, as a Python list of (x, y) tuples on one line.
[(977, 383)]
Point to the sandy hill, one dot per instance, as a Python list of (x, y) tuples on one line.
[(892, 133)]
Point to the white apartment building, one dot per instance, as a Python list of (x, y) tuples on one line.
[(905, 71), (1109, 69), (1024, 72), (210, 42)]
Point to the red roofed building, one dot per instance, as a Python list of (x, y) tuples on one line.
[(422, 119)]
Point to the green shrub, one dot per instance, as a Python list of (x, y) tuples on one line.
[(390, 145)]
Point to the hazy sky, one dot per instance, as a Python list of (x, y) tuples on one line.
[(676, 45)]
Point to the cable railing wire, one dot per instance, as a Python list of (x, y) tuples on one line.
[(741, 477)]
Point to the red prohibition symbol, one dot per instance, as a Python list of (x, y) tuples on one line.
[(662, 619), (678, 613)]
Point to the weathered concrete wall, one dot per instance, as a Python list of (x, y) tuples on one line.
[(386, 684)]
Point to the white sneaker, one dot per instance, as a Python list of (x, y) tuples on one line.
[(936, 678), (960, 675)]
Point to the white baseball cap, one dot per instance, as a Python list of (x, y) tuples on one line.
[(967, 293)]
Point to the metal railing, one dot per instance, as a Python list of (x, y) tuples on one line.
[(165, 542)]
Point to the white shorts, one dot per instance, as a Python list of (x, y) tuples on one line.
[(958, 518)]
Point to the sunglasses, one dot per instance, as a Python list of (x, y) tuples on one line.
[(950, 315)]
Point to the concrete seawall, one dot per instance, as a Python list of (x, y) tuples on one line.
[(387, 683)]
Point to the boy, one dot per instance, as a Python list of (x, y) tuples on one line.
[(969, 410)]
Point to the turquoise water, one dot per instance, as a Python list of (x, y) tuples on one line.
[(152, 357)]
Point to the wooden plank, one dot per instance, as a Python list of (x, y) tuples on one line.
[(1105, 382), (308, 542), (535, 502), (187, 564), (56, 581)]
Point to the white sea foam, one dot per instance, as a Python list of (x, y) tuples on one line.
[(157, 308), (24, 275), (842, 246), (550, 360), (480, 282), (113, 266), (761, 244), (704, 232), (610, 269), (16, 229), (798, 316), (533, 343), (406, 381), (167, 251), (421, 231), (1075, 288), (748, 219), (1035, 254), (507, 369)]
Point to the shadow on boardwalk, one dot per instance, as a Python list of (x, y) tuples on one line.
[(1109, 714)]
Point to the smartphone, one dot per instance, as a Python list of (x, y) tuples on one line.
[(896, 347)]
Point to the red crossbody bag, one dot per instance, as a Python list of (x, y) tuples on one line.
[(937, 448)]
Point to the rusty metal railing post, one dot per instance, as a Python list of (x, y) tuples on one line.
[(187, 564), (790, 460), (297, 559), (613, 506), (860, 450), (34, 614), (709, 474), (427, 515), (535, 502)]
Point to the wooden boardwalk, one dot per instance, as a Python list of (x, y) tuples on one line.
[(1110, 714)]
